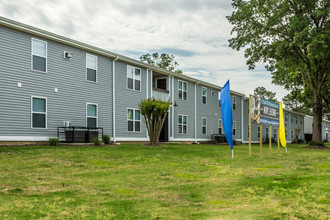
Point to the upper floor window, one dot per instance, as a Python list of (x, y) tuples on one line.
[(91, 115), (183, 88), (220, 126), (296, 119), (133, 120), (182, 124), (234, 102), (39, 112), (204, 125), (204, 94), (91, 66), (39, 55), (133, 78), (219, 99)]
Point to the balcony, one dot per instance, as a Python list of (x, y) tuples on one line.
[(160, 94)]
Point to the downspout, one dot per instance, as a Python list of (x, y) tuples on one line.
[(242, 118), (196, 112), (114, 100)]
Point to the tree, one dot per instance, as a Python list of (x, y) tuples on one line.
[(154, 113), (292, 37), (296, 101), (264, 93), (165, 61)]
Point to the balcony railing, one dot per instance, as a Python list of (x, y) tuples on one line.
[(160, 94)]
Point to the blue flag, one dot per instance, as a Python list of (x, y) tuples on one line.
[(227, 113)]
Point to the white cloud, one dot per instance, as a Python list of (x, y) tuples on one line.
[(196, 29)]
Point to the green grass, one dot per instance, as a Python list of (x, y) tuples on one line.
[(175, 181)]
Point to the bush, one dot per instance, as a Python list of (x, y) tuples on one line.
[(53, 141), (106, 139), (97, 141), (213, 141)]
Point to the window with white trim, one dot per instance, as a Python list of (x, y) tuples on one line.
[(259, 132), (219, 99), (91, 68), (133, 78), (39, 55), (204, 125), (91, 115), (133, 120), (204, 95), (39, 112), (234, 127), (220, 126), (275, 133), (183, 88), (182, 124), (267, 132), (234, 102)]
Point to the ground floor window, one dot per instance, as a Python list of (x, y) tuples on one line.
[(220, 126), (38, 112), (204, 125), (182, 124), (133, 120), (258, 132), (91, 115), (234, 127)]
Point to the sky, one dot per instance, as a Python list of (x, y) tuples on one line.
[(195, 31)]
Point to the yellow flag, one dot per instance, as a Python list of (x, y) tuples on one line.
[(282, 127)]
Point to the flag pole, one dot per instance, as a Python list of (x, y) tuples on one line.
[(260, 138), (286, 149), (232, 153), (250, 125), (270, 138)]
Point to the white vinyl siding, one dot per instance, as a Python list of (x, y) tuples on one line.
[(38, 55)]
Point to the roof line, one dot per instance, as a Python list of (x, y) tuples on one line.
[(61, 39)]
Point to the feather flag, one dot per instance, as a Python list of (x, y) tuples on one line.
[(282, 127), (227, 113)]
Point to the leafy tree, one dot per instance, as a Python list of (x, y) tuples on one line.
[(296, 101), (292, 37), (165, 61), (154, 113), (264, 93)]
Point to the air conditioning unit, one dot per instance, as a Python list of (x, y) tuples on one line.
[(67, 124), (68, 55)]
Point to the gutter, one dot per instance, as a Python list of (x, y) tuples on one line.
[(114, 99)]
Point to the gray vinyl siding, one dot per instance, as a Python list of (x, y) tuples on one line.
[(69, 76), (127, 98)]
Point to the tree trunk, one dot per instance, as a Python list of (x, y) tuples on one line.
[(317, 119)]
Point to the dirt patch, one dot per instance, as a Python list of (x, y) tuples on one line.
[(317, 147)]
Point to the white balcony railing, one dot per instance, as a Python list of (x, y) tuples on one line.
[(160, 94)]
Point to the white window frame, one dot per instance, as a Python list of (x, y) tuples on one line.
[(96, 70), (259, 132), (182, 124), (220, 125), (38, 97), (204, 95), (234, 103), (134, 68), (234, 128), (204, 125), (133, 120), (219, 100), (97, 113), (32, 54), (182, 89)]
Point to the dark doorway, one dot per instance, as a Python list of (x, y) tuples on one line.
[(161, 83), (163, 137)]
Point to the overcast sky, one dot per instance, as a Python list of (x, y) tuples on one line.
[(195, 31)]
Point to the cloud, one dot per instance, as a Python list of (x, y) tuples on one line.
[(195, 31)]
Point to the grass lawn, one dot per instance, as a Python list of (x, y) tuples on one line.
[(175, 181)]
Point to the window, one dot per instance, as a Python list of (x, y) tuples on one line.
[(39, 112), (219, 99), (204, 93), (234, 127), (183, 88), (91, 66), (133, 120), (39, 55), (248, 132), (286, 134), (266, 133), (220, 126), (301, 122), (275, 134), (296, 119), (91, 115), (286, 118), (258, 132), (133, 78), (204, 125), (182, 124), (291, 118), (234, 102), (291, 135)]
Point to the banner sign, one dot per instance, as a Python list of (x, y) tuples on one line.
[(264, 111)]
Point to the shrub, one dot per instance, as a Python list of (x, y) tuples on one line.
[(106, 139), (53, 141), (97, 141), (213, 141)]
